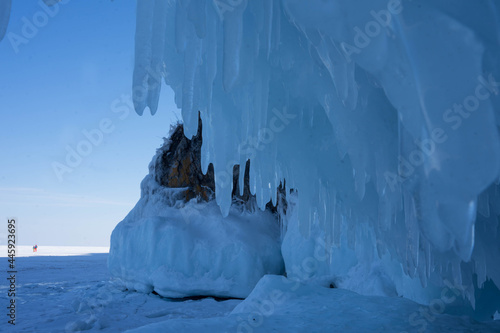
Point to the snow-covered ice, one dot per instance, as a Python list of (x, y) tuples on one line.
[(61, 294), (281, 305)]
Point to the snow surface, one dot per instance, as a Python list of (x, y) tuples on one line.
[(181, 249), (281, 305), (62, 294), (43, 250), (59, 294), (381, 113)]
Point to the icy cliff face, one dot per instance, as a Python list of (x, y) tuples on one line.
[(382, 114)]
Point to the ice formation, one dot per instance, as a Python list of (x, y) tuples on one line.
[(381, 114), (182, 248), (209, 256)]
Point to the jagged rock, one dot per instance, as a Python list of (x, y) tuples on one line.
[(180, 247), (179, 166)]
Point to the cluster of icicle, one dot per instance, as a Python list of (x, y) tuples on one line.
[(380, 113)]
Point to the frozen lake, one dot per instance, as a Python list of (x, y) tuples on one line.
[(66, 289), (69, 289)]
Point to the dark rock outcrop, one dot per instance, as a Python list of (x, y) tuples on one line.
[(179, 166)]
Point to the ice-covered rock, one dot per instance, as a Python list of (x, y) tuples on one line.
[(177, 165), (176, 242)]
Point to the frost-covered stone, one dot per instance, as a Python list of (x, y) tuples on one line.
[(178, 244)]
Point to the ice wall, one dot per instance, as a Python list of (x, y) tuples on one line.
[(382, 114)]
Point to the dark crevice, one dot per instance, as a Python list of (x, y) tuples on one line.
[(196, 298)]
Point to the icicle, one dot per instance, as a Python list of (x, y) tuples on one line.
[(274, 185), (337, 222), (181, 27), (223, 189), (276, 32), (233, 34), (253, 178), (351, 230), (197, 10), (191, 62), (268, 25), (143, 40), (412, 240), (205, 147), (157, 47), (329, 205), (211, 54)]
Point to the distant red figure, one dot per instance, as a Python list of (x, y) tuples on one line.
[(35, 248)]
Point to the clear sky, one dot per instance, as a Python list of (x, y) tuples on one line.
[(68, 76)]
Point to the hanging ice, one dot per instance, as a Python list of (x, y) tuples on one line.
[(382, 114)]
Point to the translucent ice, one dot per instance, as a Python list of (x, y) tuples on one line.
[(381, 114)]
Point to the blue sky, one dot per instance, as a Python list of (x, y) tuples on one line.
[(69, 76)]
